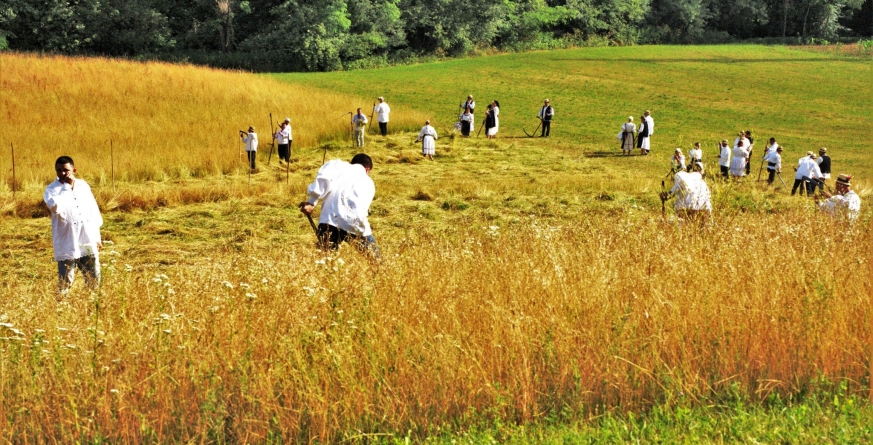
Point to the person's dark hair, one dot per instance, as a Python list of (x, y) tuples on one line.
[(363, 160), (65, 160)]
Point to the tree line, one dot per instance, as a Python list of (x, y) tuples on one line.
[(323, 35)]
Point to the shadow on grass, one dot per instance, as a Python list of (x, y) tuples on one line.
[(608, 154)]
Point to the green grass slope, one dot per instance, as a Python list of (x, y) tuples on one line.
[(706, 93)]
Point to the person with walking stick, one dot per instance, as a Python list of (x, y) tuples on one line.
[(250, 138), (283, 138), (382, 111), (545, 115), (346, 192), (76, 223)]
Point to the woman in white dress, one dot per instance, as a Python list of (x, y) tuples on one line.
[(495, 112), (739, 159), (627, 135), (427, 136)]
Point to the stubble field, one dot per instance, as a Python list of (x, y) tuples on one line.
[(524, 282)]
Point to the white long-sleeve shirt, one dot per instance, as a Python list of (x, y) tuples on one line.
[(382, 111), (251, 141), (724, 158), (283, 135), (76, 219), (691, 192), (359, 120), (848, 204), (427, 142), (347, 192), (650, 123), (775, 158), (806, 166), (695, 154)]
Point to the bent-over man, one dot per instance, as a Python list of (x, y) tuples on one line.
[(774, 163), (807, 172), (346, 192), (76, 223), (693, 200)]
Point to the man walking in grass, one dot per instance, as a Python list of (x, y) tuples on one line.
[(346, 192), (250, 139), (76, 223), (724, 158), (382, 111), (359, 123)]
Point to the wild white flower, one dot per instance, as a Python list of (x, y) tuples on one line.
[(227, 284), (114, 391), (319, 262), (156, 280), (251, 296), (128, 268), (6, 325), (165, 316), (264, 281), (340, 262), (166, 331), (104, 368), (163, 276), (171, 291), (113, 253), (244, 285)]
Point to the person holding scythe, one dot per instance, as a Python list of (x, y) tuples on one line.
[(545, 115), (283, 139), (693, 200), (382, 111), (774, 163), (346, 192), (845, 203), (250, 139), (359, 123)]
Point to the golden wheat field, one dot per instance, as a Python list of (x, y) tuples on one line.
[(521, 281)]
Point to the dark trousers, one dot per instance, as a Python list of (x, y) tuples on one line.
[(383, 128), (252, 155), (330, 237), (810, 185), (724, 170), (285, 152), (547, 126), (772, 176)]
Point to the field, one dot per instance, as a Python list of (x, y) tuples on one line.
[(530, 290)]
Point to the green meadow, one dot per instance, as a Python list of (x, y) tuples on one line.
[(805, 99)]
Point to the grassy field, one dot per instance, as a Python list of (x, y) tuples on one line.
[(530, 291)]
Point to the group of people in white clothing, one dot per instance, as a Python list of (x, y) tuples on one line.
[(631, 137)]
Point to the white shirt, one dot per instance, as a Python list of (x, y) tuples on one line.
[(427, 130), (724, 158), (745, 142), (629, 127), (496, 112), (741, 152), (695, 153), (382, 110), (347, 192), (806, 166), (76, 219), (850, 204), (466, 117), (469, 104), (691, 192), (283, 135), (359, 120), (651, 124), (678, 159), (251, 140), (772, 147), (775, 158)]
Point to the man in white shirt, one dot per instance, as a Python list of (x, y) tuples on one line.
[(845, 203), (693, 200), (283, 139), (695, 155), (76, 223), (382, 111), (359, 123), (773, 158), (545, 115), (469, 103), (346, 192), (807, 172), (724, 158)]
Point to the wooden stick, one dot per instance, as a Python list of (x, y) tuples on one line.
[(112, 162), (13, 170)]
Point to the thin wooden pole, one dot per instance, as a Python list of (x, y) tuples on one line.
[(112, 161), (13, 170)]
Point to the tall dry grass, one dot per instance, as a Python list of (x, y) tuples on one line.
[(164, 120), (257, 339)]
